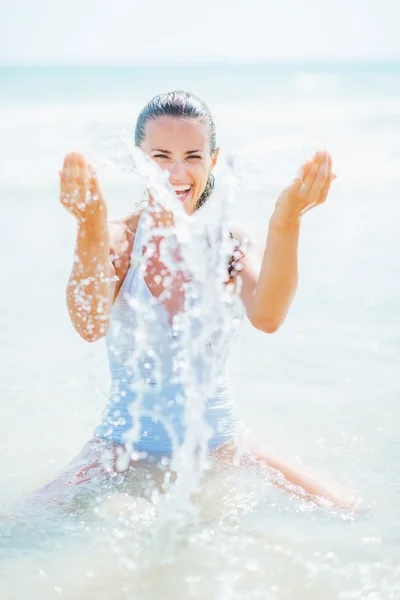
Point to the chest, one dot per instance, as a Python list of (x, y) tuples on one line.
[(164, 275)]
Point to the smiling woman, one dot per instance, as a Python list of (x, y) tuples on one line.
[(106, 287), (184, 119), (190, 170)]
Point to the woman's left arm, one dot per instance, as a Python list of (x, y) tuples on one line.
[(268, 288)]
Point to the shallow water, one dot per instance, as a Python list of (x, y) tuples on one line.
[(325, 387)]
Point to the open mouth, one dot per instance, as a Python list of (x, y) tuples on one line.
[(182, 191)]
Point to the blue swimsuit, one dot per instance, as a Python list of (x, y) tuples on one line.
[(146, 407)]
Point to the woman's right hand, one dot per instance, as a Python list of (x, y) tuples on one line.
[(80, 191)]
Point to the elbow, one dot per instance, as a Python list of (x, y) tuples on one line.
[(91, 337), (265, 323), (92, 334), (270, 327)]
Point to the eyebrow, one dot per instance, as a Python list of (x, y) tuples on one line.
[(169, 152)]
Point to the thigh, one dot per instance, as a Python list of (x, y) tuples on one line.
[(95, 467)]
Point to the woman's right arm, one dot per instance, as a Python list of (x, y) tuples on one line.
[(90, 289), (91, 286)]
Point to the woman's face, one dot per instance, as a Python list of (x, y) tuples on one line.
[(182, 147)]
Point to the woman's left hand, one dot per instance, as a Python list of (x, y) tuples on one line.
[(308, 190)]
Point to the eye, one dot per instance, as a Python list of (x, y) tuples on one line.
[(164, 156), (194, 157)]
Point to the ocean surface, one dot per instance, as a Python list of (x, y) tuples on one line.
[(325, 387)]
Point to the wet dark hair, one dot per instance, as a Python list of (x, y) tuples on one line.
[(181, 105), (234, 266)]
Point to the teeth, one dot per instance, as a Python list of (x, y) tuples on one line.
[(182, 188)]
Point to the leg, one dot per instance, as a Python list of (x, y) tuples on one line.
[(311, 481), (93, 468), (291, 476)]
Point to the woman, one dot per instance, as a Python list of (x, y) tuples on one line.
[(177, 131)]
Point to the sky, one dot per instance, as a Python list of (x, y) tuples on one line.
[(184, 31)]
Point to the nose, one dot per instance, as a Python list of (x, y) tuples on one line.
[(177, 170)]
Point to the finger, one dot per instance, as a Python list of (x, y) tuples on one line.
[(326, 186), (76, 177), (320, 172), (69, 190), (305, 169), (74, 157), (311, 173), (73, 164), (70, 161), (298, 182), (84, 176), (94, 182), (66, 161), (64, 181), (324, 171), (323, 196), (69, 185), (324, 191), (78, 167), (71, 174), (329, 161)]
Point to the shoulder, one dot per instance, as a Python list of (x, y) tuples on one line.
[(242, 235), (122, 236), (245, 242), (247, 251)]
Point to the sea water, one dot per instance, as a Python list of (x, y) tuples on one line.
[(325, 387)]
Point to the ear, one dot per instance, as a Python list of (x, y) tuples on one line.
[(214, 158)]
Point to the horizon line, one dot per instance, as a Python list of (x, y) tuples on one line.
[(342, 61)]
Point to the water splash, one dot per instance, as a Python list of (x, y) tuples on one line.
[(272, 161), (204, 245)]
